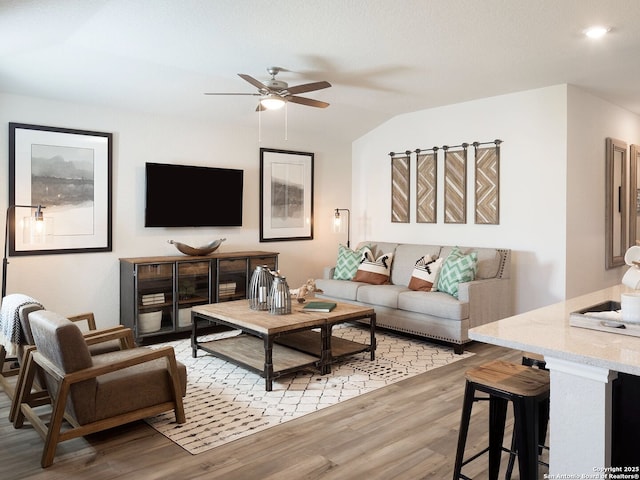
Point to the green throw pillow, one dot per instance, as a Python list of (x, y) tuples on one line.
[(457, 268), (349, 261)]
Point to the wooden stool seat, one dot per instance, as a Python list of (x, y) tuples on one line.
[(528, 390), (511, 378)]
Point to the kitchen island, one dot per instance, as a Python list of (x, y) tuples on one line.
[(583, 365)]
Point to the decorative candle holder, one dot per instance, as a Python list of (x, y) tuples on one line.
[(260, 288), (280, 296)]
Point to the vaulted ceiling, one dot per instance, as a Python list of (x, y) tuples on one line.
[(382, 57)]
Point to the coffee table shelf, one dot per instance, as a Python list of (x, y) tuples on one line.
[(311, 342), (248, 351)]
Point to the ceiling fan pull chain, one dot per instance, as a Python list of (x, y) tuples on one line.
[(286, 121)]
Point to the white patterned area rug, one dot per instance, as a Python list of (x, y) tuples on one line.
[(225, 402)]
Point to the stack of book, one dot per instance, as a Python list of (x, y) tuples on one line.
[(227, 289), (152, 298)]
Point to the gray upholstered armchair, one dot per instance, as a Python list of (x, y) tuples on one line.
[(99, 392), (99, 341)]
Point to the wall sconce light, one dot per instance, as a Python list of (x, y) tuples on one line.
[(339, 223), (34, 232)]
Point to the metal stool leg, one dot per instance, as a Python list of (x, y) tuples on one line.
[(527, 428), (467, 404), (497, 418)]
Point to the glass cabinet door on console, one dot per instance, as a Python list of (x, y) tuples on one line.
[(234, 274), (192, 286), (232, 279), (154, 298)]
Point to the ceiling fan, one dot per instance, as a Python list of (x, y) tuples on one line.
[(275, 93)]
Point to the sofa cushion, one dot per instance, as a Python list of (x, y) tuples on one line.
[(437, 304), (375, 272), (342, 289), (150, 380), (457, 268), (383, 295), (425, 274), (349, 260), (404, 260)]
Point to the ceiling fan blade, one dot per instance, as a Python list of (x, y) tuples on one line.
[(256, 83), (308, 87), (308, 102), (252, 94)]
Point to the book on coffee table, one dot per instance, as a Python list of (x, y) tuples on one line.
[(319, 306)]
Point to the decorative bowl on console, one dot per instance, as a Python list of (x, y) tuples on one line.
[(205, 250)]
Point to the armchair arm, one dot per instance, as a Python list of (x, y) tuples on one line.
[(88, 317), (143, 355), (124, 335)]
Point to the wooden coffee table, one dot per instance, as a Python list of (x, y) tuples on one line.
[(275, 345)]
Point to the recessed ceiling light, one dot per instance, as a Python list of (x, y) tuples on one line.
[(596, 32)]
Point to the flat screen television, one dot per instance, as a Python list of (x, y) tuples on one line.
[(191, 196)]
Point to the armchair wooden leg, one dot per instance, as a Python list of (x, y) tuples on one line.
[(22, 393), (55, 424), (177, 391), (34, 394)]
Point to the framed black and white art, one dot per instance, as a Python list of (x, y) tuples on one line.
[(286, 195), (68, 172)]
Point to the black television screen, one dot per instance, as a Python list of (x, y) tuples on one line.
[(190, 196)]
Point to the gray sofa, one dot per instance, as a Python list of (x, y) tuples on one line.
[(434, 315)]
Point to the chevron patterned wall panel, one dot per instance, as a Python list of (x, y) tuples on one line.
[(455, 186), (426, 197), (400, 176), (488, 185)]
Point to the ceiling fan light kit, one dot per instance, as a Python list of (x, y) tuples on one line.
[(272, 102), (275, 93)]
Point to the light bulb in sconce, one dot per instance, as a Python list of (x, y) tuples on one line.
[(339, 223), (36, 228)]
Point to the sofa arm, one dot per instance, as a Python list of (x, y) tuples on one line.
[(327, 273), (489, 300)]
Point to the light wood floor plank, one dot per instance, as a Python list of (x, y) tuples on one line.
[(408, 430)]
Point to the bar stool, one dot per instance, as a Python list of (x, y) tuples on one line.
[(537, 361), (505, 382)]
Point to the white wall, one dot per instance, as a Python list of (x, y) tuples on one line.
[(552, 191), (71, 283), (532, 125), (591, 120)]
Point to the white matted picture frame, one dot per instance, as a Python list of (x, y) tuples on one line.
[(286, 195), (69, 173)]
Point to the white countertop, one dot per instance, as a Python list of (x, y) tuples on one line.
[(546, 331)]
